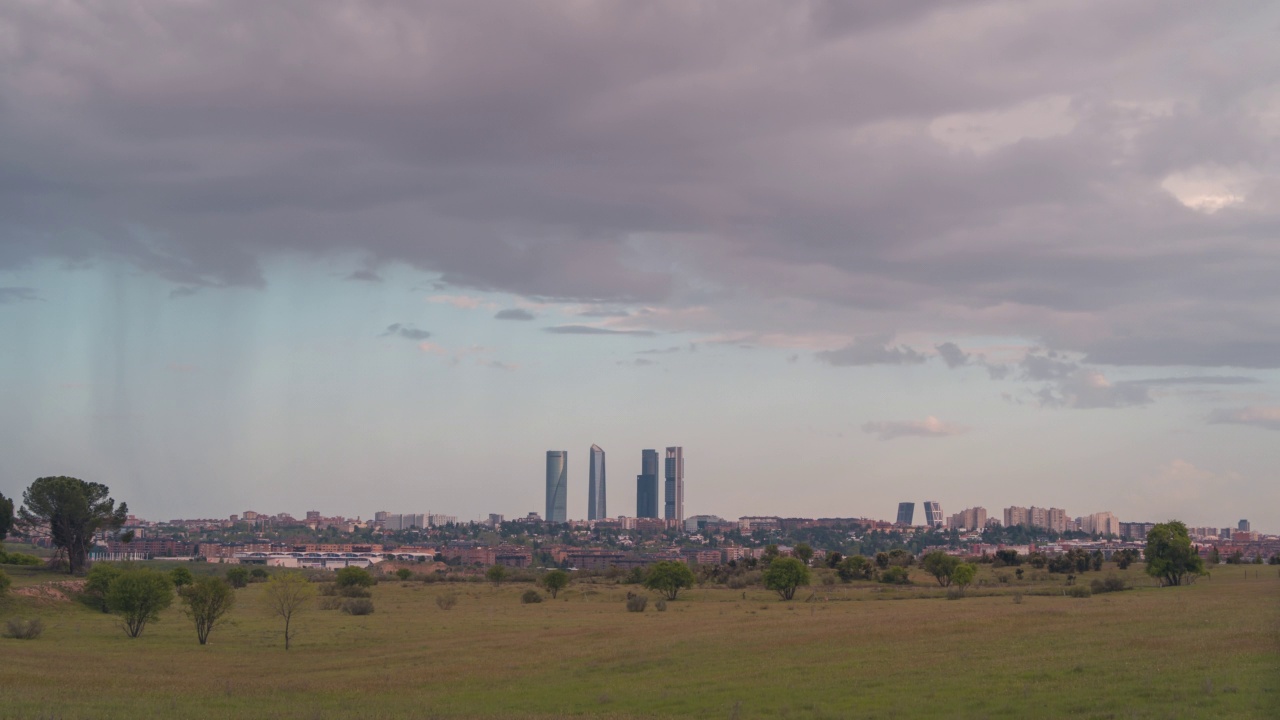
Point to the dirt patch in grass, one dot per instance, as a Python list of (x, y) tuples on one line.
[(61, 591)]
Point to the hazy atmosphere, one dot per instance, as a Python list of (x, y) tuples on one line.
[(362, 256)]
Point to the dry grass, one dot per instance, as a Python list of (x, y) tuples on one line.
[(1210, 650)]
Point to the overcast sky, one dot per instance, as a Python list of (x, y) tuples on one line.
[(354, 256)]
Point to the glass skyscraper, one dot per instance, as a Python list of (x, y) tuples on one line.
[(932, 514), (674, 496), (906, 512), (557, 485), (596, 489), (647, 485)]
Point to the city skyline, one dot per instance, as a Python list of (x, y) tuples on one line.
[(928, 250)]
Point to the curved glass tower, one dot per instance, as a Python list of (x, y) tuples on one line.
[(596, 489), (673, 508), (557, 485)]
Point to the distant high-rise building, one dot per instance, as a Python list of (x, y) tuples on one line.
[(647, 485), (1100, 523), (974, 518), (674, 496), (906, 513), (557, 486), (596, 486), (932, 514), (1243, 526), (1016, 516)]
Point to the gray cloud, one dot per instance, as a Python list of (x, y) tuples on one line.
[(680, 155), (1198, 380), (408, 332), (181, 292), (590, 330), (17, 294), (1046, 367), (1263, 417), (929, 427), (364, 276), (952, 355), (1089, 389), (870, 351), (514, 314), (604, 313), (659, 351)]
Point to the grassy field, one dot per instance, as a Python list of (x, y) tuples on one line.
[(861, 651)]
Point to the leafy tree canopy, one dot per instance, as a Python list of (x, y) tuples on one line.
[(784, 575), (669, 577), (1170, 555), (555, 581), (73, 510), (138, 597), (352, 576), (941, 566), (6, 516), (207, 599)]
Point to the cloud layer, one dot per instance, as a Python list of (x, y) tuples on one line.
[(929, 427)]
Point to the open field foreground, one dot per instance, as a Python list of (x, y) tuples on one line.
[(1210, 650)]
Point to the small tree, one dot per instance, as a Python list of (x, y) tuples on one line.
[(496, 574), (555, 581), (784, 575), (404, 573), (138, 597), (98, 582), (1170, 555), (207, 600), (6, 516), (181, 577), (258, 575), (669, 577), (352, 576), (856, 567), (941, 566), (238, 577), (1215, 558), (804, 552), (963, 574), (288, 595)]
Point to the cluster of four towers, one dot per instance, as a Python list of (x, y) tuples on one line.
[(646, 485)]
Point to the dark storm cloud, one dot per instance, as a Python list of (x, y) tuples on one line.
[(590, 330), (17, 294), (514, 314), (871, 351), (956, 167), (364, 276), (407, 332)]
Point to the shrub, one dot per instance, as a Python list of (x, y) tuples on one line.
[(737, 582), (660, 605), (1079, 591), (530, 596), (97, 582), (404, 573), (4, 583), (238, 577), (955, 593), (258, 575), (785, 575), (18, 559), (181, 577), (20, 629), (1111, 584), (555, 581), (328, 590), (637, 603), (208, 600), (357, 606), (446, 601), (668, 577), (896, 575), (353, 576), (354, 591)]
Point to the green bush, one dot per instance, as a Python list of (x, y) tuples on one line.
[(358, 606), (181, 576), (637, 603), (530, 596), (138, 597), (20, 629), (258, 575), (355, 591), (1111, 584), (1079, 591), (895, 575), (238, 577), (354, 577), (404, 573), (15, 558), (97, 582)]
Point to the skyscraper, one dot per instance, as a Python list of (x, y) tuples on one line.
[(557, 485), (596, 487), (647, 485), (906, 512), (674, 496), (932, 514)]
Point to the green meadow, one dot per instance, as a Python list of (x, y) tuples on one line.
[(1007, 650)]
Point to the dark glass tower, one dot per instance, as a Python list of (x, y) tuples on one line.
[(557, 485), (674, 506), (596, 488), (647, 485), (906, 513)]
